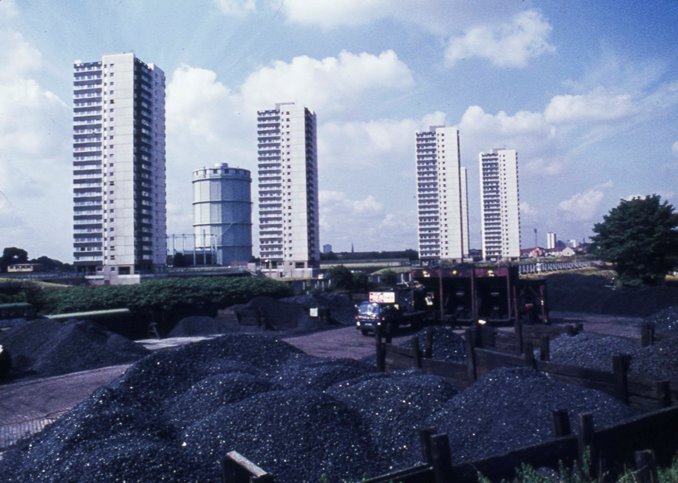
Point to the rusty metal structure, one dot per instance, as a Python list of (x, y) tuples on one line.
[(496, 295)]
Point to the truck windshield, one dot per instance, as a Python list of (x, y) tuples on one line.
[(368, 308)]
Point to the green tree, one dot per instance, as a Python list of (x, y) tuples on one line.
[(341, 277), (12, 255), (389, 277), (640, 236)]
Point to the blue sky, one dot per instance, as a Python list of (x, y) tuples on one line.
[(586, 92)]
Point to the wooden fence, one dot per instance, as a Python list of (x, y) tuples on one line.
[(487, 349), (608, 450), (642, 443)]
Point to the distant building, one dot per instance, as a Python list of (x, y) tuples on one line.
[(327, 248), (442, 200), (288, 191), (500, 204), (222, 213), (119, 217), (550, 240)]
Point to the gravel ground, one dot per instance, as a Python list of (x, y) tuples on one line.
[(175, 413)]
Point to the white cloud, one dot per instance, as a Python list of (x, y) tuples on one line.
[(582, 206), (8, 9), (674, 149), (437, 16), (540, 166), (326, 85), (236, 7), (527, 211), (330, 13), (17, 56), (507, 45), (370, 223), (595, 106), (373, 143)]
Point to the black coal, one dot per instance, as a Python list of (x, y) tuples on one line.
[(512, 407), (174, 414), (658, 361), (45, 347)]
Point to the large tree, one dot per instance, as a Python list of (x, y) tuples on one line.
[(640, 236), (12, 255)]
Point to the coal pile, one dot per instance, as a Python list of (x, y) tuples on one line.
[(197, 325), (178, 411), (510, 408), (274, 314), (44, 347), (174, 414), (665, 321), (572, 292), (658, 361), (592, 351), (394, 408), (446, 345), (341, 309)]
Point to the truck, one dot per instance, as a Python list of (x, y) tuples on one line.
[(406, 304)]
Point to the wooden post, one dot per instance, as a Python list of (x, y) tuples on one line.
[(571, 330), (645, 334), (235, 468), (441, 459), (381, 356), (428, 348), (620, 368), (561, 423), (544, 348), (417, 352), (470, 355), (425, 440), (518, 330), (646, 466), (529, 355), (585, 441), (664, 393)]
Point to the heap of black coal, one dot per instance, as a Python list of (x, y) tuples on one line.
[(44, 347), (174, 414)]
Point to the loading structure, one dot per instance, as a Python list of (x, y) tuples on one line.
[(468, 294)]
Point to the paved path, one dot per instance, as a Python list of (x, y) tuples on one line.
[(27, 407), (345, 342)]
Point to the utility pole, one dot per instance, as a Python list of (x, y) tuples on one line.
[(535, 238)]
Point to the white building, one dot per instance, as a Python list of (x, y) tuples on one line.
[(119, 216), (550, 240), (500, 205), (222, 213), (442, 199), (288, 191)]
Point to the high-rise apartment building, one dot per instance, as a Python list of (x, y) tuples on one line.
[(550, 240), (288, 191), (500, 204), (442, 204), (119, 215)]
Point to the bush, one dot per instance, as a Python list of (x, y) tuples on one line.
[(164, 296)]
